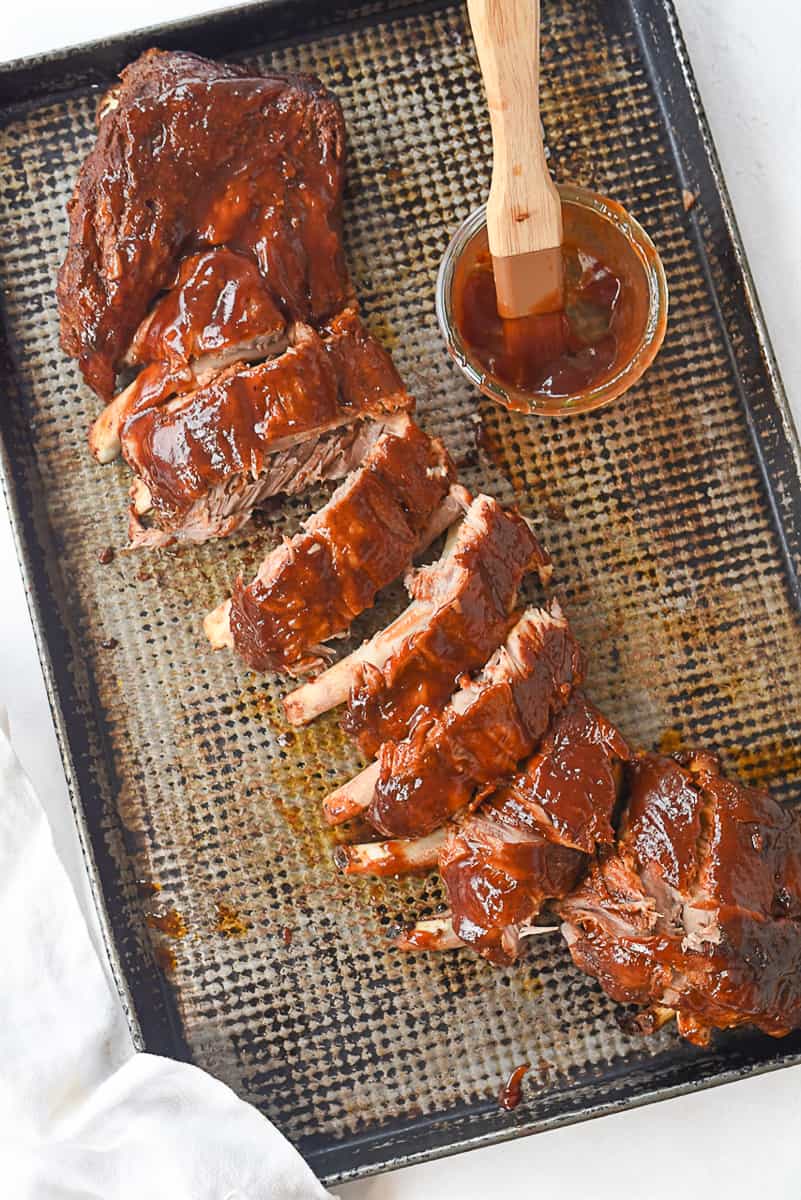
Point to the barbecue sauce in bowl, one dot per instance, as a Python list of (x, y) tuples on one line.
[(558, 355), (612, 326)]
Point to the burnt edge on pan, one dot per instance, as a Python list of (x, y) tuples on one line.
[(775, 446)]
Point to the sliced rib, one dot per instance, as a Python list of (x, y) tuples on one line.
[(698, 906), (462, 608), (310, 588), (530, 841), (204, 460), (218, 311), (332, 686), (472, 597), (192, 154), (218, 300), (491, 724)]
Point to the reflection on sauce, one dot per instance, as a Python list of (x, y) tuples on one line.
[(218, 298), (562, 354), (229, 923), (511, 1092), (168, 921)]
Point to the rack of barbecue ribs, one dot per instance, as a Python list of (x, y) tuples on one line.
[(217, 276), (696, 911), (193, 156), (206, 298), (692, 910), (310, 588), (462, 607), (489, 725), (677, 889), (521, 843)]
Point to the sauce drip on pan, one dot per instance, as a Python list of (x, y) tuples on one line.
[(512, 1090), (561, 354)]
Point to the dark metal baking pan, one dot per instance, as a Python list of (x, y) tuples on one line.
[(673, 518)]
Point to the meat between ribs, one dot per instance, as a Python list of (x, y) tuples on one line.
[(218, 311), (311, 588), (467, 602), (530, 841), (448, 760), (224, 437)]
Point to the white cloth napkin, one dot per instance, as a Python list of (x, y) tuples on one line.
[(82, 1116)]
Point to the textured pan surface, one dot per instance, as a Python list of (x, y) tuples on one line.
[(203, 808)]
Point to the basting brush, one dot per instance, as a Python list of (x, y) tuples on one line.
[(524, 212)]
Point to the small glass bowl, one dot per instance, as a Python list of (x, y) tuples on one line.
[(626, 248)]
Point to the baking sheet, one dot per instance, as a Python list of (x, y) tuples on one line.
[(672, 518)]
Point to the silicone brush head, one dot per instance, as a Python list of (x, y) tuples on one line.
[(530, 284), (530, 294)]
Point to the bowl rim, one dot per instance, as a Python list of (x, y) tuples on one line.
[(628, 373)]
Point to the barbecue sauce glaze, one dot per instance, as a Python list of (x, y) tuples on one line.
[(699, 907), (460, 637), (334, 568), (448, 759), (217, 299), (194, 155), (558, 355), (234, 423), (530, 842)]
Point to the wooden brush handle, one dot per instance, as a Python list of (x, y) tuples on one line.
[(523, 210)]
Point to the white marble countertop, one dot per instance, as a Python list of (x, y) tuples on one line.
[(741, 1140)]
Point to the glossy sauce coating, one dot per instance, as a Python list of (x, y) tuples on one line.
[(445, 760), (497, 884), (568, 789), (520, 847), (312, 588), (752, 858), (196, 154), (724, 948), (232, 425), (662, 823), (218, 299), (486, 570), (558, 355)]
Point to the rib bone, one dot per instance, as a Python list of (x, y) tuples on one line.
[(396, 857), (217, 626), (353, 797), (435, 934)]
